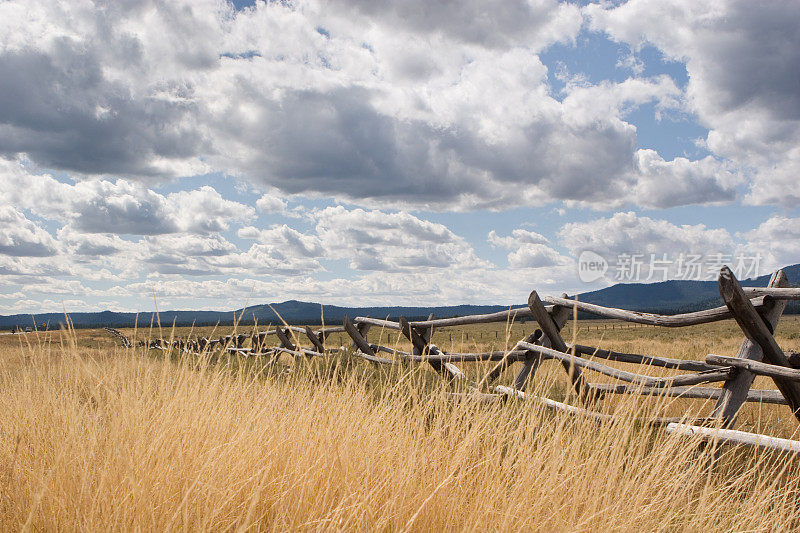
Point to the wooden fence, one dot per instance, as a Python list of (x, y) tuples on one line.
[(756, 311)]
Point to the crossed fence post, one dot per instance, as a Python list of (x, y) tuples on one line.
[(421, 342), (760, 344)]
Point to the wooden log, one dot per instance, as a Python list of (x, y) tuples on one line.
[(663, 362), (418, 343), (552, 404), (447, 366), (421, 345), (312, 336), (579, 411), (551, 332), (670, 321), (507, 360), (560, 315), (242, 351), (776, 292), (283, 337), (730, 436), (256, 342), (413, 335), (301, 352), (361, 344), (697, 393), (737, 386), (386, 324), (427, 332), (531, 364), (446, 357), (756, 330), (502, 316), (710, 376), (327, 330), (363, 330), (755, 367)]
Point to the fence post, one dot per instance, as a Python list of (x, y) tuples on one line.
[(551, 332), (283, 336), (360, 342), (758, 331), (315, 340), (734, 392), (421, 346)]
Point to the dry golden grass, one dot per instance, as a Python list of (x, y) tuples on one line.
[(99, 438)]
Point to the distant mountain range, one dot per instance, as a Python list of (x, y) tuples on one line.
[(675, 296)]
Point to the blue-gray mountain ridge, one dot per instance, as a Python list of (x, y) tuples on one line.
[(668, 297)]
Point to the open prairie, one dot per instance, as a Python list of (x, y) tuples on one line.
[(98, 437)]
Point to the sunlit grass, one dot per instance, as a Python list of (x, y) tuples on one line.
[(101, 438)]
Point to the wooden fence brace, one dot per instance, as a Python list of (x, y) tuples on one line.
[(551, 332), (552, 404), (363, 330), (735, 389), (777, 292), (301, 352), (315, 340), (421, 347), (559, 316), (579, 411), (361, 343), (386, 324), (532, 361), (730, 436), (417, 342), (693, 392), (262, 339), (755, 367), (709, 376), (427, 333), (327, 330), (664, 362), (502, 316), (511, 357), (670, 321), (283, 337), (506, 361), (755, 329), (498, 355)]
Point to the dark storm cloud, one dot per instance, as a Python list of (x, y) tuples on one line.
[(60, 109)]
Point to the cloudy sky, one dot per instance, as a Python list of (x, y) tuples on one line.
[(208, 154)]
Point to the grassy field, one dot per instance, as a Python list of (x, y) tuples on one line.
[(96, 437)]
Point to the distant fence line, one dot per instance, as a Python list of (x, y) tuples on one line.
[(756, 311)]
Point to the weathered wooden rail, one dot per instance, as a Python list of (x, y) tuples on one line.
[(756, 310)]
